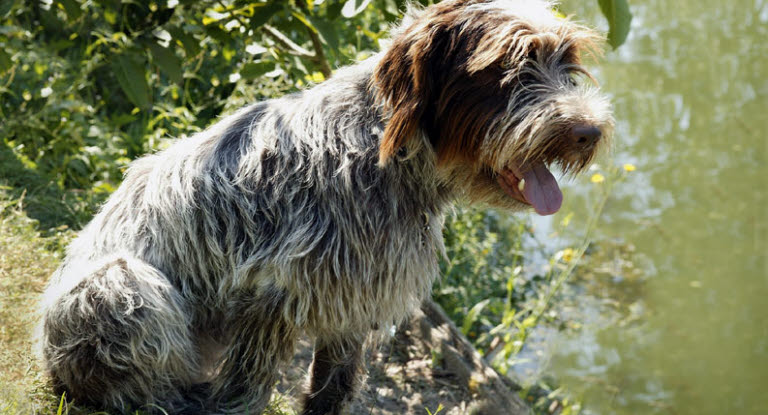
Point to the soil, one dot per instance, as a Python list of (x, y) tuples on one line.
[(427, 367)]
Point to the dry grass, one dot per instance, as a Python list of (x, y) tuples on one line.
[(26, 261)]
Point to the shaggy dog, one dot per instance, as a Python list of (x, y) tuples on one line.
[(317, 213)]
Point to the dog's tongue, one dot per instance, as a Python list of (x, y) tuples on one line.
[(541, 189)]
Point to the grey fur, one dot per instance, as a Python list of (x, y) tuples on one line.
[(190, 286)]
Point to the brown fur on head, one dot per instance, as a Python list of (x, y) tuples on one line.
[(491, 84)]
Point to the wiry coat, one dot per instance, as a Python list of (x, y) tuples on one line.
[(319, 212)]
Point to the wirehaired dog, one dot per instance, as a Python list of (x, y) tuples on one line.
[(317, 213)]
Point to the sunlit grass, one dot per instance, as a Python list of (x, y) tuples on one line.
[(26, 261)]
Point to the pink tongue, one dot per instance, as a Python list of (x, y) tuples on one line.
[(541, 190)]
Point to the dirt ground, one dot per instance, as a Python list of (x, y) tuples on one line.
[(400, 381), (426, 368)]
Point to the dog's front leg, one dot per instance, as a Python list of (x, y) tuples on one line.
[(335, 374), (263, 340)]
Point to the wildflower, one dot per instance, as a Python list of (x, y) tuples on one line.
[(597, 178), (629, 167), (567, 254)]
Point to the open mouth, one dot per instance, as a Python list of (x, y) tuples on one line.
[(532, 183)]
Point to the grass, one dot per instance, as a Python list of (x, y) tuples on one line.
[(26, 261)]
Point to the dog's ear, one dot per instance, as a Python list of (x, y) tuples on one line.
[(404, 83)]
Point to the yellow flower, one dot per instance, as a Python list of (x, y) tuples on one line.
[(567, 254), (629, 167), (316, 77), (597, 178)]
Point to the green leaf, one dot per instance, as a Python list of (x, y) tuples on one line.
[(61, 404), (472, 315), (5, 61), (263, 12), (256, 69), (328, 32), (619, 19), (304, 20), (353, 7), (325, 29), (167, 61), (72, 8), (188, 42), (130, 70), (218, 34), (61, 44), (334, 11), (5, 7), (391, 9)]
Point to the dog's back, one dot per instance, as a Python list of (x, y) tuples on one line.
[(273, 205)]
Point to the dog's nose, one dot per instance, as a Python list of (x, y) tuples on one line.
[(585, 135)]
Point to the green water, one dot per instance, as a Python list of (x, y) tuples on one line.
[(676, 313)]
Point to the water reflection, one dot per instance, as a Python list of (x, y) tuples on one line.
[(683, 328)]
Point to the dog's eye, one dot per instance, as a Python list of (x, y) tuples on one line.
[(572, 79)]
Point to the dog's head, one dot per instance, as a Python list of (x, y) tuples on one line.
[(498, 89)]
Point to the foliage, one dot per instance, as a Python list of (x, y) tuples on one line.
[(619, 20), (490, 290)]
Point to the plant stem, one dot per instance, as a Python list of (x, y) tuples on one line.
[(565, 274)]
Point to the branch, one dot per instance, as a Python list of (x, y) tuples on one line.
[(319, 57), (287, 43), (232, 14)]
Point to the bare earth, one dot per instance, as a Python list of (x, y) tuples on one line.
[(426, 365)]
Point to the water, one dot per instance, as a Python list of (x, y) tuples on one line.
[(675, 312)]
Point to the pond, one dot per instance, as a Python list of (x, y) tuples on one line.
[(675, 306)]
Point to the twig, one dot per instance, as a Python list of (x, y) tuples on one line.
[(319, 57), (292, 47), (287, 43), (232, 13), (317, 45)]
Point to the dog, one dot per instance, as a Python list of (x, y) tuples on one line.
[(318, 213)]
